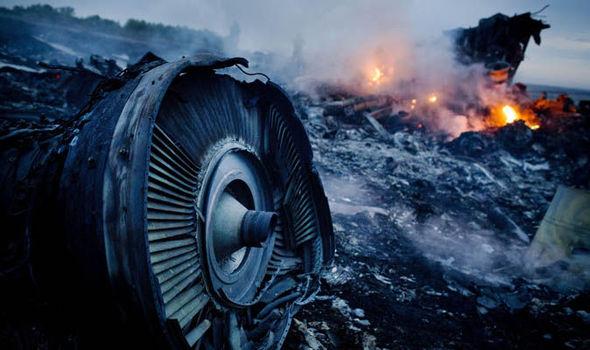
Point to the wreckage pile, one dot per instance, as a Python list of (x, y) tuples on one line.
[(431, 231), (432, 234)]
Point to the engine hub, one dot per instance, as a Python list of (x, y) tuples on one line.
[(239, 220)]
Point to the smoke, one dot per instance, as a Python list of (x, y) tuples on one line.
[(340, 42), (352, 45), (464, 246), (374, 47), (486, 255), (306, 44), (458, 236)]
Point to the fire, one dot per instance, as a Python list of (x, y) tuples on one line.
[(432, 98), (376, 75), (508, 114)]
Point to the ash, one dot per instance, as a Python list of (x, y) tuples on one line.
[(431, 236)]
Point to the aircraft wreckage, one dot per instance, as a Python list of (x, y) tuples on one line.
[(179, 209)]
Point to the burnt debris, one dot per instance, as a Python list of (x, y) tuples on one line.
[(148, 275), (431, 236), (430, 231), (499, 42), (110, 178)]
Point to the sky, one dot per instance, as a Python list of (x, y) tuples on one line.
[(563, 59)]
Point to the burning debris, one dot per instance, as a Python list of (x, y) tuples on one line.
[(484, 101), (441, 222), (477, 93), (436, 194), (506, 105), (435, 234)]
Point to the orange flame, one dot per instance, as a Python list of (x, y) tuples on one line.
[(376, 75), (508, 114)]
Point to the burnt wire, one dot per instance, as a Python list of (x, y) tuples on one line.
[(541, 10), (252, 74)]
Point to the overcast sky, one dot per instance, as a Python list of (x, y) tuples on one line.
[(563, 58)]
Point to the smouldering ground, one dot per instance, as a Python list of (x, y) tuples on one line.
[(430, 242)]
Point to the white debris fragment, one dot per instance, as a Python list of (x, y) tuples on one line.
[(382, 279), (487, 248), (309, 334), (365, 323), (338, 275), (369, 342), (359, 312), (342, 306)]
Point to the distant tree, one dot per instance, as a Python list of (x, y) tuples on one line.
[(66, 11), (169, 38)]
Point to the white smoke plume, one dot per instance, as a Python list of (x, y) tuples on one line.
[(347, 43)]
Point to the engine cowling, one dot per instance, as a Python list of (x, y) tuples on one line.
[(180, 210)]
